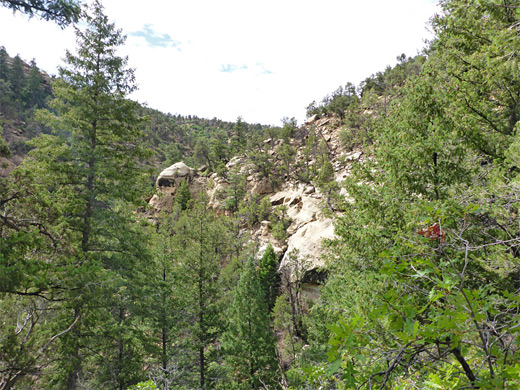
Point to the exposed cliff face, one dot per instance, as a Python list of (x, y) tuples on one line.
[(303, 202)]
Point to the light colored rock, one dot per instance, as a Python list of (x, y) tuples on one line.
[(303, 213), (308, 242), (310, 292), (237, 160), (172, 174), (168, 182), (294, 200), (262, 187), (278, 198), (163, 200), (309, 190), (353, 156), (311, 120), (277, 250)]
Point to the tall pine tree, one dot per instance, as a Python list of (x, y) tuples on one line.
[(249, 342), (89, 166)]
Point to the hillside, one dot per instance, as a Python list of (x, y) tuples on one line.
[(25, 89), (376, 245)]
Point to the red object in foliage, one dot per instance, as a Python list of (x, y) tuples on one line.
[(433, 232)]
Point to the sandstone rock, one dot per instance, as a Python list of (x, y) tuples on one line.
[(173, 174), (278, 198), (162, 201), (262, 187), (308, 242), (277, 250), (303, 213), (309, 190), (311, 120), (353, 156), (237, 160)]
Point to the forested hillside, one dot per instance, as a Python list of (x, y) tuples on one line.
[(200, 288), (24, 89)]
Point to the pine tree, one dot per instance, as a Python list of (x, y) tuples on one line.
[(201, 248), (269, 277), (34, 92), (248, 341), (17, 76), (4, 68), (4, 148), (183, 196), (235, 191), (430, 226), (63, 12), (89, 165)]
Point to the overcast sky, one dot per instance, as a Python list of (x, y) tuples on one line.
[(261, 60)]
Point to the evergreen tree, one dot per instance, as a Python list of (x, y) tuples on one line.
[(429, 222), (4, 148), (235, 191), (269, 277), (201, 248), (17, 81), (238, 140), (183, 196), (4, 68), (248, 341), (89, 166), (34, 93), (63, 12)]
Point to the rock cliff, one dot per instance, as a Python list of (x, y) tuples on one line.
[(304, 203)]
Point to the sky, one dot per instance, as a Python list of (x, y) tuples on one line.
[(261, 60)]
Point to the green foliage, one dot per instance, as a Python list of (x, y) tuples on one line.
[(255, 209), (288, 128), (425, 245), (280, 221), (148, 385), (201, 245), (63, 12), (336, 103), (359, 120), (268, 276), (88, 167), (183, 195), (248, 341), (235, 190), (286, 153), (19, 96), (422, 277), (325, 173), (4, 148), (389, 81)]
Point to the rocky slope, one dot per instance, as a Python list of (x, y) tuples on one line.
[(304, 202)]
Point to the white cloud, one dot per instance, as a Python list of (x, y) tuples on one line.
[(280, 55)]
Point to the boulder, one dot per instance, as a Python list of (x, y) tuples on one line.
[(261, 187), (174, 175), (168, 182)]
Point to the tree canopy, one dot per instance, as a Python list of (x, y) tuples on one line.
[(63, 12)]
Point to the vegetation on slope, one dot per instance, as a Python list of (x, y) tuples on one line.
[(422, 280)]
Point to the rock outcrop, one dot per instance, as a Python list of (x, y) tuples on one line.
[(169, 181), (304, 203)]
